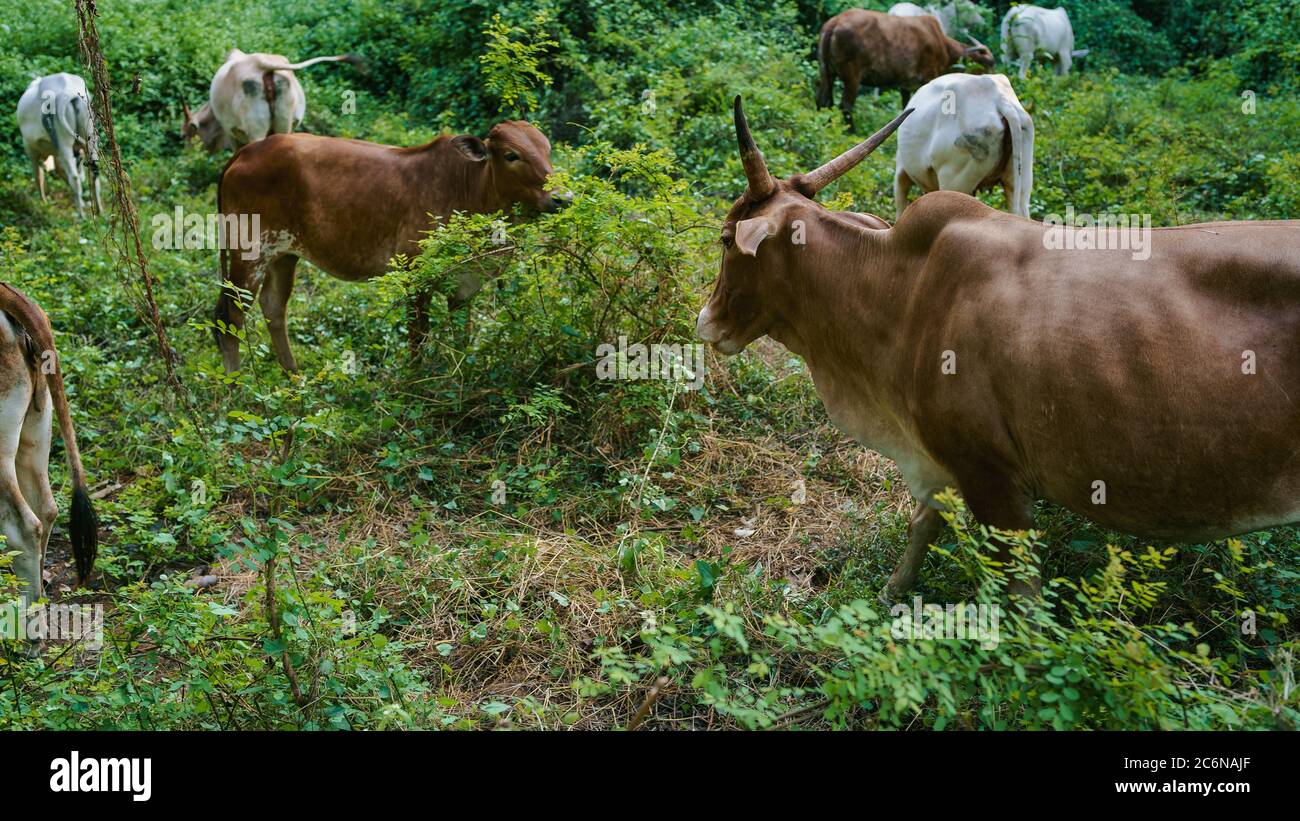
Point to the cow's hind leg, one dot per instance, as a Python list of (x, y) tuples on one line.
[(924, 528), (72, 173), (21, 527), (276, 291), (229, 314), (32, 467), (965, 178), (1063, 63), (38, 168), (849, 97), (997, 503), (902, 185)]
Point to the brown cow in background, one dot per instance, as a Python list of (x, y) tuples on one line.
[(875, 49), (349, 206)]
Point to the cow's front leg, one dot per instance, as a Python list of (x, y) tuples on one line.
[(72, 174), (922, 531)]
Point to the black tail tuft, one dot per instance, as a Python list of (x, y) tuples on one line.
[(358, 62), (84, 531)]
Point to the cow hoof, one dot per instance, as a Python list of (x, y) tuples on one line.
[(888, 597)]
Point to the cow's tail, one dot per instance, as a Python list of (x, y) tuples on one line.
[(1021, 127), (826, 79), (47, 122), (351, 59), (221, 314), (83, 528), (277, 105)]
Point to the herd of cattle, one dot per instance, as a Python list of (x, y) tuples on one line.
[(957, 342)]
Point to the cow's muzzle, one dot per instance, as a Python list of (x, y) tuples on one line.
[(557, 201), (708, 330)]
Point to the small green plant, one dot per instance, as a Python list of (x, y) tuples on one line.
[(512, 63)]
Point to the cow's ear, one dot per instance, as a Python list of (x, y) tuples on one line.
[(472, 147), (751, 232)]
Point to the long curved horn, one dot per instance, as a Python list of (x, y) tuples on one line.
[(971, 37), (761, 183), (833, 170)]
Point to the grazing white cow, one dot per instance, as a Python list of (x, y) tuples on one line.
[(56, 122), (31, 393), (1028, 29), (204, 125), (254, 95), (967, 132), (957, 16)]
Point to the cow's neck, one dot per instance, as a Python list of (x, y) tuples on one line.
[(455, 183), (851, 295)]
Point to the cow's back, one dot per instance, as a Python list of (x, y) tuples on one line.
[(935, 134), (1173, 380), (885, 49), (347, 206)]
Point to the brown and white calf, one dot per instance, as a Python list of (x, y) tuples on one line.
[(1155, 394), (349, 206), (31, 392)]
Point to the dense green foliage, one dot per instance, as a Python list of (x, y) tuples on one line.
[(721, 548)]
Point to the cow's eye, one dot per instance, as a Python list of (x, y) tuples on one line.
[(511, 156), (727, 242)]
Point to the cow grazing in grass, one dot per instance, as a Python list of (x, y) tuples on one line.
[(203, 125), (968, 132), (1156, 394), (254, 95), (55, 119), (349, 206), (1027, 30), (955, 17), (31, 392), (874, 49)]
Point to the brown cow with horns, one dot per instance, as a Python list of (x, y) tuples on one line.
[(1156, 395)]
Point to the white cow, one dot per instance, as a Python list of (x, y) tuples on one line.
[(56, 122), (968, 132), (253, 95), (957, 16), (1028, 29)]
